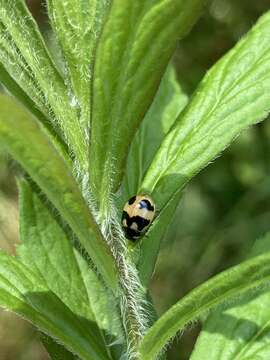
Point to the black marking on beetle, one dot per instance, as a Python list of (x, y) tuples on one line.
[(132, 200), (131, 234), (146, 204), (128, 218), (125, 216), (140, 221)]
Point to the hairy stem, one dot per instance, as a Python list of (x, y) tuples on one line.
[(132, 296)]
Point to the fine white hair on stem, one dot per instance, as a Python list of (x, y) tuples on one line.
[(132, 295)]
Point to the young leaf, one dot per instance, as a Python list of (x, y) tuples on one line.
[(168, 103), (221, 288), (138, 38), (242, 330), (233, 95), (77, 24), (25, 140), (30, 65), (27, 295)]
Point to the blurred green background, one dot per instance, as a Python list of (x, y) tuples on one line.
[(222, 212)]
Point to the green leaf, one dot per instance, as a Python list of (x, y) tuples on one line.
[(24, 138), (261, 246), (77, 24), (102, 303), (249, 275), (55, 350), (242, 330), (47, 251), (233, 95), (150, 243), (8, 218), (168, 103), (24, 56), (13, 88), (137, 42), (26, 294)]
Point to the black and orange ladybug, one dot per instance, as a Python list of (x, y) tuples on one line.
[(138, 213)]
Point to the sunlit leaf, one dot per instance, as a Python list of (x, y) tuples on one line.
[(24, 56), (26, 294), (136, 45), (14, 89), (168, 103), (77, 24), (31, 147), (234, 94), (248, 275), (242, 330), (47, 251)]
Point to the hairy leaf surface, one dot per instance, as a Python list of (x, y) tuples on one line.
[(47, 251), (77, 24), (242, 330), (102, 302), (14, 89), (234, 94), (29, 64), (168, 103), (31, 147), (238, 333), (136, 45), (221, 288), (26, 294)]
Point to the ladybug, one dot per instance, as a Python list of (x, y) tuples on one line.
[(138, 213)]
